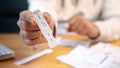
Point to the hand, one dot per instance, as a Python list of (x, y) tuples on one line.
[(29, 29), (84, 27)]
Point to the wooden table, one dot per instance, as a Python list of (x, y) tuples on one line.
[(14, 41)]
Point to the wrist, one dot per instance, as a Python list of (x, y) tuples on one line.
[(95, 37)]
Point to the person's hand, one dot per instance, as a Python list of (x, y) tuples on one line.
[(82, 26), (29, 29)]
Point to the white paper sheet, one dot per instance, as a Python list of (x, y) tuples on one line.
[(83, 57), (112, 51), (112, 62), (106, 48), (65, 42), (102, 55)]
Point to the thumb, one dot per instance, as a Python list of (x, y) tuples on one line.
[(46, 16)]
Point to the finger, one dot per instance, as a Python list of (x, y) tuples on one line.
[(47, 17), (27, 16), (71, 23), (26, 26), (84, 31), (49, 20), (30, 35), (77, 26), (88, 29), (78, 19), (34, 41)]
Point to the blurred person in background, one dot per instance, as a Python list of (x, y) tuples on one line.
[(99, 20), (9, 14)]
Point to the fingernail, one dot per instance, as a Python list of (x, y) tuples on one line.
[(35, 46), (33, 21)]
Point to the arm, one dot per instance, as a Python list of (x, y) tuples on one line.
[(29, 29), (107, 29), (110, 26)]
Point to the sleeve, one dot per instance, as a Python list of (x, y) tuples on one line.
[(110, 25), (45, 6)]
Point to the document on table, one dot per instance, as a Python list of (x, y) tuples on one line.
[(111, 51), (81, 57), (65, 42), (106, 48), (112, 62)]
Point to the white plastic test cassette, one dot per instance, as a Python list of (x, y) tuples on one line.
[(45, 29)]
